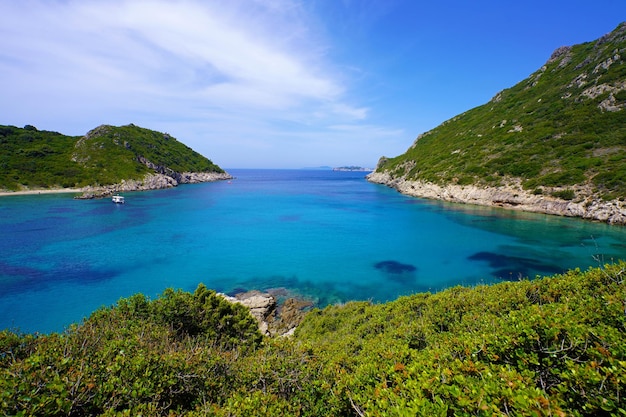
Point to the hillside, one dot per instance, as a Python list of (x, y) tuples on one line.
[(105, 156), (553, 346), (553, 143)]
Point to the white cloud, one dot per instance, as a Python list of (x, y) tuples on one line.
[(169, 63), (168, 48)]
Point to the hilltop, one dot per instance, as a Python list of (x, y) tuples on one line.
[(554, 143), (107, 159)]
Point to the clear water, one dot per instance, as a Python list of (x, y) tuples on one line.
[(330, 236)]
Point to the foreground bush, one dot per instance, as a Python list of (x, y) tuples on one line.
[(144, 356), (552, 346), (555, 346)]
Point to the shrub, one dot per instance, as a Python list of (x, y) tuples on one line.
[(564, 194), (550, 346)]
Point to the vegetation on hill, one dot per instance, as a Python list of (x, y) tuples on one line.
[(30, 158), (551, 346), (561, 131)]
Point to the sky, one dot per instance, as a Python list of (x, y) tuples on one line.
[(277, 83)]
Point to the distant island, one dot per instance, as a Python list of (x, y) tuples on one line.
[(353, 168), (320, 168)]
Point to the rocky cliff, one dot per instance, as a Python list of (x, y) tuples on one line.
[(151, 182)]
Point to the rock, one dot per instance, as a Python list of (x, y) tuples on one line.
[(157, 181), (512, 196), (261, 305), (273, 319), (288, 316), (289, 333)]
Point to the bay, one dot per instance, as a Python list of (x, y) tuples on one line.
[(328, 236)]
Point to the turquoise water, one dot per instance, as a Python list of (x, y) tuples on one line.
[(330, 236)]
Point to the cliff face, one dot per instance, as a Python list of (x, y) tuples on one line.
[(554, 143), (151, 182)]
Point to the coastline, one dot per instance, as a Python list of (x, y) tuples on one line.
[(5, 193), (150, 182), (509, 197), (155, 181)]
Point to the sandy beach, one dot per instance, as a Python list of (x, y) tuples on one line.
[(4, 193)]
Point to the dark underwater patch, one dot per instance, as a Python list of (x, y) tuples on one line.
[(513, 268), (81, 272), (394, 267), (22, 279), (14, 270), (396, 271), (236, 290)]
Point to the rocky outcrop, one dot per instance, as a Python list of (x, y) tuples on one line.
[(182, 177), (274, 318), (156, 181), (261, 305), (288, 316), (510, 197)]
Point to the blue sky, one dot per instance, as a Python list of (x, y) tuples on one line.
[(277, 83)]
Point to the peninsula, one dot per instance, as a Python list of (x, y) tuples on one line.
[(554, 143), (107, 160)]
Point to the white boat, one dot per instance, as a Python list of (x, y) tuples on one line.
[(118, 199)]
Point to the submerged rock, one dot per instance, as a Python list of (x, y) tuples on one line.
[(394, 267)]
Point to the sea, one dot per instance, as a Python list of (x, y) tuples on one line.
[(328, 236)]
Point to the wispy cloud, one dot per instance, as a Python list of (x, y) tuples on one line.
[(171, 63), (169, 47)]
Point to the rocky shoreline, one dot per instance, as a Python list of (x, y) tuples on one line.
[(510, 197), (157, 181), (149, 182)]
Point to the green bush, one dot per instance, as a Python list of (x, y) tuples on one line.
[(550, 346), (564, 194), (163, 355), (526, 348)]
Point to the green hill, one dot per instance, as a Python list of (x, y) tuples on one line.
[(561, 132), (548, 347), (30, 158)]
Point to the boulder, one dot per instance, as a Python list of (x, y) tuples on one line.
[(261, 305), (274, 318)]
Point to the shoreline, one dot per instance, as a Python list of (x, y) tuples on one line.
[(5, 193), (150, 182), (507, 197)]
